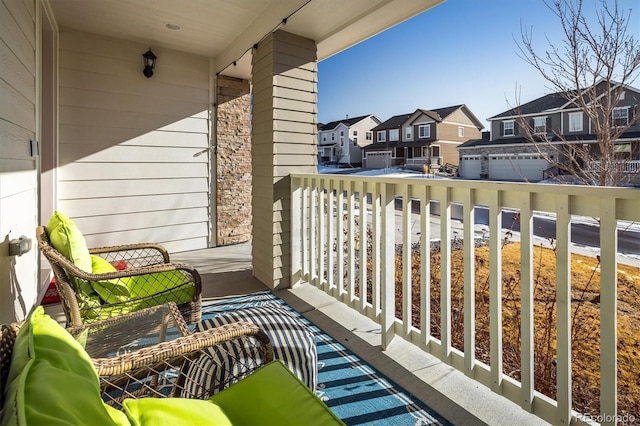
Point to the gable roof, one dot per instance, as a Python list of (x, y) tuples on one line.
[(347, 122), (557, 101), (544, 103), (553, 138), (394, 122)]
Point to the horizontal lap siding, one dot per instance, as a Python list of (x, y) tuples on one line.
[(18, 285), (134, 164)]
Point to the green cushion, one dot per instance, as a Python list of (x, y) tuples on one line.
[(273, 395), (69, 241), (148, 285), (111, 291), (52, 380), (173, 411)]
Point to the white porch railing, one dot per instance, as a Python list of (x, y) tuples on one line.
[(623, 166), (417, 161), (327, 213)]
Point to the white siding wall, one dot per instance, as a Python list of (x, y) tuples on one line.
[(133, 160), (18, 188)]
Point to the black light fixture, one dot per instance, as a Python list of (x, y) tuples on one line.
[(149, 63)]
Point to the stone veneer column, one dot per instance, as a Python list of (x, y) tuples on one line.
[(233, 161), (284, 121)]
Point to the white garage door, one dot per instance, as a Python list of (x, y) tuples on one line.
[(378, 159), (470, 166), (521, 167)]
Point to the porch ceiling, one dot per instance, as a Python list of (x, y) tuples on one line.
[(226, 29)]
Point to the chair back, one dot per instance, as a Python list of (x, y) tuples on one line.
[(7, 340), (60, 264)]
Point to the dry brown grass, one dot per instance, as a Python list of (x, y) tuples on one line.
[(585, 315)]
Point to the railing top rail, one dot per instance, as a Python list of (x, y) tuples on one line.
[(584, 200), (579, 190)]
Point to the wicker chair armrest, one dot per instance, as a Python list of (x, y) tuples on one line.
[(181, 347), (132, 251)]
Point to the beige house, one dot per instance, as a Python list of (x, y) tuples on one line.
[(424, 137)]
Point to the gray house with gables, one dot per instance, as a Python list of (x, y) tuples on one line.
[(506, 153)]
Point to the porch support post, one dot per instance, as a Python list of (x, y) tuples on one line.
[(284, 127)]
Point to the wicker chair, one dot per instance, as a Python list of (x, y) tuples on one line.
[(165, 369), (145, 264)]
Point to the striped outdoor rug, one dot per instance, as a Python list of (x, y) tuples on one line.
[(356, 392)]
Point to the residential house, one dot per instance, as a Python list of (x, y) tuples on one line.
[(506, 153), (342, 141), (422, 137)]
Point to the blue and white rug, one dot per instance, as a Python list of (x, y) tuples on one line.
[(355, 392)]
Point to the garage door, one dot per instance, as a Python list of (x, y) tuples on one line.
[(470, 166), (521, 167), (378, 159)]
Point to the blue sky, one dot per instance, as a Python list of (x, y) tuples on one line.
[(460, 52)]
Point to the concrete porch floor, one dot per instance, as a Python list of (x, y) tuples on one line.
[(226, 271)]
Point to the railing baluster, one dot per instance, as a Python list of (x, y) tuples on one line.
[(406, 258), (495, 290), (362, 188), (313, 233), (526, 291), (340, 240), (351, 259), (322, 223), (469, 283), (563, 309), (608, 311), (305, 228), (445, 273), (425, 265), (331, 224), (388, 261), (376, 201), (295, 234)]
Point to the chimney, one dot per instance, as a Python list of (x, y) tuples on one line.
[(347, 116)]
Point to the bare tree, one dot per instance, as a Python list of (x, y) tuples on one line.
[(591, 69)]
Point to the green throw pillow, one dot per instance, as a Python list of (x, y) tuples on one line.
[(52, 380), (275, 397), (111, 291), (173, 411), (69, 241)]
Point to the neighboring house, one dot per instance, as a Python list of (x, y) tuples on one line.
[(342, 141), (422, 137), (507, 154)]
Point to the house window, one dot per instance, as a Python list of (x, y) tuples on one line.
[(509, 127), (324, 137), (408, 133), (382, 136), (540, 125), (435, 150), (341, 132), (369, 136), (355, 133), (461, 132), (355, 140), (333, 136), (399, 152), (620, 116), (394, 134), (575, 121), (424, 131)]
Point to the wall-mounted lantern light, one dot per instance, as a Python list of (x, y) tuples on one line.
[(149, 63)]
